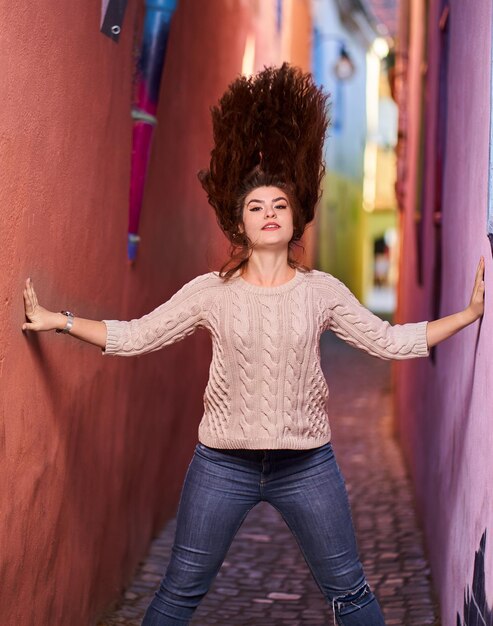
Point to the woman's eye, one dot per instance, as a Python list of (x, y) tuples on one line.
[(259, 208)]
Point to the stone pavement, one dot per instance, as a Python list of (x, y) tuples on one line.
[(264, 580)]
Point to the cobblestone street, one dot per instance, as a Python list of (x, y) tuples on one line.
[(264, 579)]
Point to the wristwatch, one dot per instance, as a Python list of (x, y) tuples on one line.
[(70, 323)]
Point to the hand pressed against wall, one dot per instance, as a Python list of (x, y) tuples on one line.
[(476, 305), (39, 317), (440, 329)]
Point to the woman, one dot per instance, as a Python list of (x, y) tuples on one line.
[(265, 433)]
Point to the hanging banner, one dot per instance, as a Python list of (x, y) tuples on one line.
[(150, 68)]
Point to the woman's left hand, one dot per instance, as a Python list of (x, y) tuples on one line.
[(476, 305), (444, 327)]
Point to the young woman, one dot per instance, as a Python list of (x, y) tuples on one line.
[(265, 433)]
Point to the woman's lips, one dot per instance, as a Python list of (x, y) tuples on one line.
[(271, 227)]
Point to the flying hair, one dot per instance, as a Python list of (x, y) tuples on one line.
[(268, 129)]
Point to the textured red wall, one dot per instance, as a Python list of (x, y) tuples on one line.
[(93, 450)]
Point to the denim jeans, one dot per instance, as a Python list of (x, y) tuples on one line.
[(305, 486)]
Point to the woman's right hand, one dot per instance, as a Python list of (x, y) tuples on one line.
[(39, 317)]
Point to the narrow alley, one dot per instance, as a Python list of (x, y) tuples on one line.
[(132, 137), (264, 579)]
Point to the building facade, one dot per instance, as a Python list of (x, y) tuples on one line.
[(357, 214), (94, 450), (444, 403)]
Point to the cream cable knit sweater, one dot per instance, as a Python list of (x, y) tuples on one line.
[(266, 388)]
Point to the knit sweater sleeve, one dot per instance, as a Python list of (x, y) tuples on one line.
[(169, 323), (358, 326)]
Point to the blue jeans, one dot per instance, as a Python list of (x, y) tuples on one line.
[(305, 486)]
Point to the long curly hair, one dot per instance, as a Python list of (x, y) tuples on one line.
[(268, 130)]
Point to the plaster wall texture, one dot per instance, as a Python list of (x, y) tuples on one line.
[(443, 407), (297, 32), (340, 221), (345, 145), (93, 449), (342, 231)]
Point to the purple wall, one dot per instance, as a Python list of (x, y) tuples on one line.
[(444, 404)]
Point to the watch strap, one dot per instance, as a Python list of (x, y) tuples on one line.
[(69, 324)]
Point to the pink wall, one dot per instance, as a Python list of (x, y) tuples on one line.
[(93, 450), (443, 408)]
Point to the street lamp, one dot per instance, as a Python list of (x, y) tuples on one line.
[(344, 67)]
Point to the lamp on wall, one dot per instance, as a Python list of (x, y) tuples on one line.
[(342, 70), (344, 67)]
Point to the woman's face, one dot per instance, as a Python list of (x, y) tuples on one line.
[(268, 217)]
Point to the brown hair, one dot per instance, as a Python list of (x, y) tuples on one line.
[(268, 130)]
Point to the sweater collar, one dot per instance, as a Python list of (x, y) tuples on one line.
[(290, 284)]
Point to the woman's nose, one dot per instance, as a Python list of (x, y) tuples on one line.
[(270, 212)]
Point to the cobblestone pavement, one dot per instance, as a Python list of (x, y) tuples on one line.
[(264, 580)]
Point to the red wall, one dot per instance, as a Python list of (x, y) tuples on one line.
[(93, 450)]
